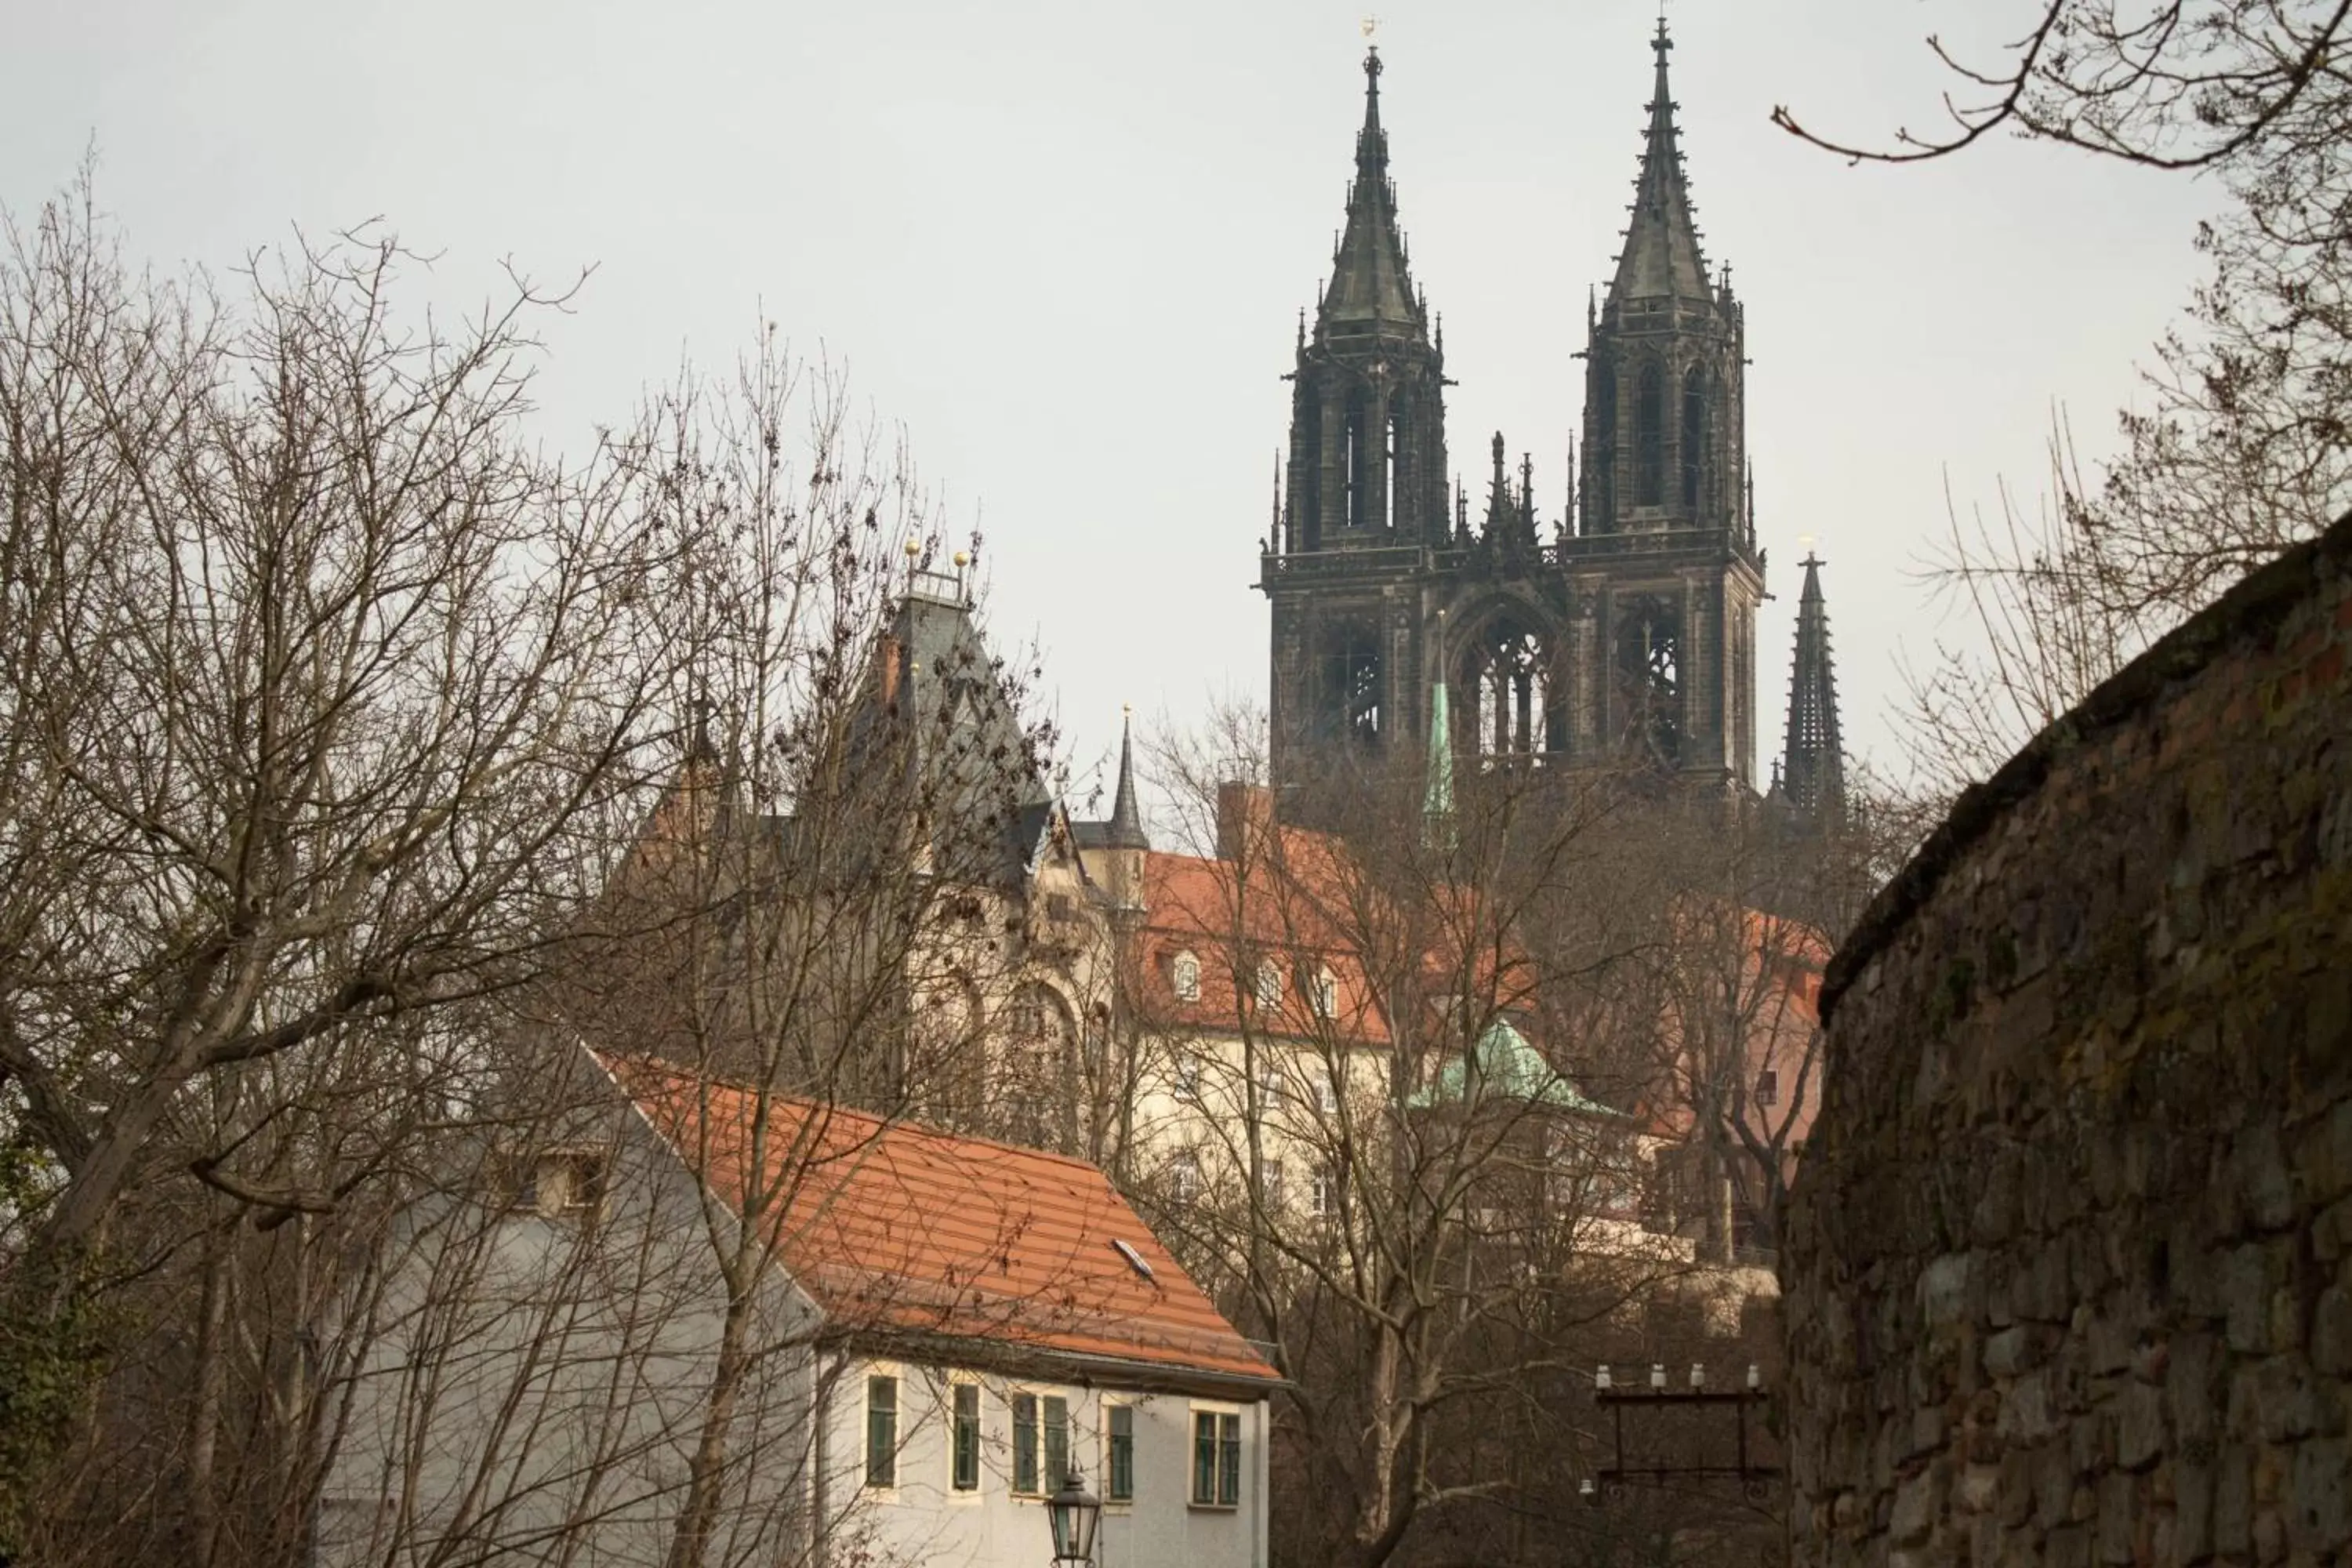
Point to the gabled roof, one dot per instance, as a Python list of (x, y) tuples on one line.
[(1199, 905), (893, 1229)]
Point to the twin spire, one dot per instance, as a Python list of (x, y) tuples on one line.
[(1661, 259), (1370, 287)]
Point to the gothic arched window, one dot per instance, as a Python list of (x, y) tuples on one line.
[(1351, 687), (1696, 435), (1306, 465), (1357, 459), (1393, 486), (1511, 708), (1601, 451), (1649, 439), (1648, 679)]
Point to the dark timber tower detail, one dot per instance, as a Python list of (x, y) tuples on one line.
[(1622, 633)]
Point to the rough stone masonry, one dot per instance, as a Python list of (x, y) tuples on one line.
[(2068, 1269)]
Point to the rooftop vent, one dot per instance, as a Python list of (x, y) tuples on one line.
[(1134, 1258)]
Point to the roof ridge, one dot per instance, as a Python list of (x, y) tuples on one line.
[(882, 1123)]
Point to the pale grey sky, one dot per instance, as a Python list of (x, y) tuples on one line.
[(1065, 241)]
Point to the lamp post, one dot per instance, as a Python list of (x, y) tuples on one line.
[(1072, 1514)]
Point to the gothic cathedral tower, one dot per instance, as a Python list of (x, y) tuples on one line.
[(1627, 640)]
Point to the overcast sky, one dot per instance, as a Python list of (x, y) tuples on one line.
[(1065, 242)]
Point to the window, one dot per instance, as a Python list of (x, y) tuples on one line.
[(1118, 1458), (1025, 1444), (1184, 1178), (1185, 975), (1649, 439), (1041, 1430), (1269, 984), (1767, 1087), (1272, 1176), (1270, 1091), (1186, 1073), (1057, 1443), (1327, 994), (881, 1431), (567, 1184), (1216, 1459), (965, 1446), (1326, 1091), (1323, 1197)]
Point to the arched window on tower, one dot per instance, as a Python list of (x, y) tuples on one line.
[(1601, 454), (1359, 459), (1695, 436), (1306, 463), (1648, 679), (1351, 695), (1512, 711), (1649, 439), (1393, 491)]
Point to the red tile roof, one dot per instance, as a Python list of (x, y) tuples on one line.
[(894, 1228)]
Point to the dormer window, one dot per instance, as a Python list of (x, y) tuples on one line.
[(1767, 1087), (567, 1183), (1327, 994), (1184, 974), (1269, 984)]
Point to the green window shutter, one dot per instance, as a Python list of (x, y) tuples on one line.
[(1025, 1443), (1121, 1461), (881, 1431), (967, 1437), (1229, 1459), (1204, 1457), (1057, 1443)]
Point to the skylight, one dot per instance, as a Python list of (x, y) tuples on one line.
[(1134, 1258)]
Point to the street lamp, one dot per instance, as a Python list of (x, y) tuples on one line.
[(1072, 1514)]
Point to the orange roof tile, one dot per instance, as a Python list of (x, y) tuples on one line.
[(895, 1227)]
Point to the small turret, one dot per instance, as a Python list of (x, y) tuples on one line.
[(1114, 852)]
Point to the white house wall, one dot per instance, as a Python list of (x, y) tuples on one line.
[(922, 1520)]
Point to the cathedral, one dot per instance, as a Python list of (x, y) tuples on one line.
[(1620, 635)]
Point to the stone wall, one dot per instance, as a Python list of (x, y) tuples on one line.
[(2068, 1268)]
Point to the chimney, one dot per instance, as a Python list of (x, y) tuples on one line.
[(1244, 817)]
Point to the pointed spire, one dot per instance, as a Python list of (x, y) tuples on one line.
[(1370, 287), (1500, 503), (1125, 829), (1437, 806), (1661, 257), (1813, 768)]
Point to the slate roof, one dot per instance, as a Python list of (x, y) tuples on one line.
[(895, 1229)]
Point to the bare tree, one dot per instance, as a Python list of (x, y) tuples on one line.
[(2243, 445), (321, 687), (1359, 1118), (364, 765)]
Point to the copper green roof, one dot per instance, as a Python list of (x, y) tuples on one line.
[(1503, 1066)]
